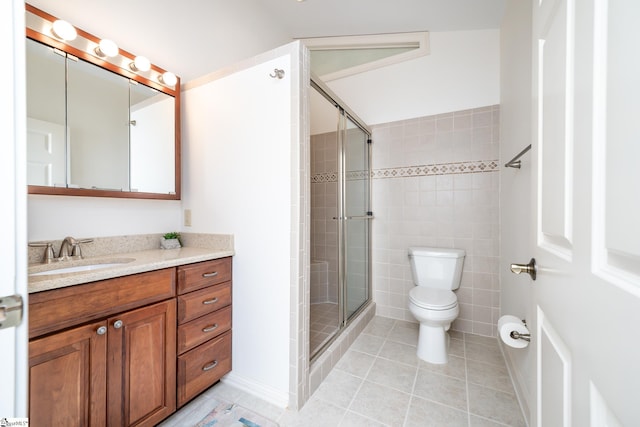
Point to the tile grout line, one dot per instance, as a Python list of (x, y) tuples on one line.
[(366, 373), (412, 394), (466, 377)]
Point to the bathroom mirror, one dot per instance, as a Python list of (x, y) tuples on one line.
[(96, 126)]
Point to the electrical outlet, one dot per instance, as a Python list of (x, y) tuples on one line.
[(187, 217)]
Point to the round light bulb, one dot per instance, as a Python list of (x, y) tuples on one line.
[(140, 64), (63, 30), (169, 78), (107, 48)]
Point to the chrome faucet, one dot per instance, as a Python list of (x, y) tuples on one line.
[(70, 248)]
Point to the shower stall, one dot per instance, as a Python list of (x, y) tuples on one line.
[(340, 279)]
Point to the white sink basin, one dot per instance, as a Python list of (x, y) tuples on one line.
[(78, 268)]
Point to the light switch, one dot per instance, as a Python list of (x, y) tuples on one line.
[(187, 217)]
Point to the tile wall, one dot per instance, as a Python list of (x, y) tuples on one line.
[(324, 207), (436, 183)]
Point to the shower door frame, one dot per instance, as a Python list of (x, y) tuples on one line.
[(344, 218), (345, 113)]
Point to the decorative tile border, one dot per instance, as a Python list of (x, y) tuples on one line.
[(478, 166), (438, 169), (324, 177)]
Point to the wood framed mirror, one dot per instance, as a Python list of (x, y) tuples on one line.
[(97, 125)]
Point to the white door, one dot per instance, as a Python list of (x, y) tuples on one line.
[(13, 340), (46, 153), (585, 177)]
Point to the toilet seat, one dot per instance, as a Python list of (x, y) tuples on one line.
[(432, 299)]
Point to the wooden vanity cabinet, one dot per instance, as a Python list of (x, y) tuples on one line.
[(204, 326), (141, 375), (116, 371), (104, 353), (68, 378)]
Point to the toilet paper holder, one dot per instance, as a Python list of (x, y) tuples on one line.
[(518, 336)]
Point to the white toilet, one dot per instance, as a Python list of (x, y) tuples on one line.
[(436, 273)]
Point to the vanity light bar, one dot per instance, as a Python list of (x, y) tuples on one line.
[(105, 50)]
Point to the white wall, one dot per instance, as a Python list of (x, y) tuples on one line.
[(238, 168), (515, 191), (461, 72), (55, 217)]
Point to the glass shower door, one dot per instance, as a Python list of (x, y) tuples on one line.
[(357, 215), (340, 278)]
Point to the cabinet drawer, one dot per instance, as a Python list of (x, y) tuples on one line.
[(61, 308), (203, 274), (201, 367), (203, 328), (199, 303)]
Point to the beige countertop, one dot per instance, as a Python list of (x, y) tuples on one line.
[(128, 263)]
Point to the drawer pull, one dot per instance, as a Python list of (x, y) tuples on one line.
[(213, 274), (210, 366), (210, 328), (210, 301)]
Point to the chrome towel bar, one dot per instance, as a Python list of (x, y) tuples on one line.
[(515, 162)]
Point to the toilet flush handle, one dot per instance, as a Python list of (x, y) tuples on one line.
[(530, 268)]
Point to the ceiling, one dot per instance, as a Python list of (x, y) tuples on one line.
[(195, 37), (323, 18)]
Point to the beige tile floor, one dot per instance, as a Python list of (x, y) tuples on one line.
[(381, 382)]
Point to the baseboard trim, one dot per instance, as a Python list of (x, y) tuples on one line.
[(266, 393), (517, 381)]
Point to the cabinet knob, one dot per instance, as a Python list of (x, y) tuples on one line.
[(210, 366), (101, 330), (117, 324), (210, 301)]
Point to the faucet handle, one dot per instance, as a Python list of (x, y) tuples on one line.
[(76, 250), (48, 256)]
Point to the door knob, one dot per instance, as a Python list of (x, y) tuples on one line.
[(530, 268)]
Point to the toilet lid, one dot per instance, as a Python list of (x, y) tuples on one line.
[(432, 299)]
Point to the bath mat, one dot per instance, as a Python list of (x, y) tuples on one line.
[(233, 415)]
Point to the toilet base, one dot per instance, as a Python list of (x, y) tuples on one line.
[(433, 344)]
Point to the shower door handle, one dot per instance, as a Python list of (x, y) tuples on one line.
[(355, 217)]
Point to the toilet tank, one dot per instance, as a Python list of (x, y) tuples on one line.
[(437, 268)]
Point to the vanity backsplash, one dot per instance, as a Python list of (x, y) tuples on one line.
[(115, 245)]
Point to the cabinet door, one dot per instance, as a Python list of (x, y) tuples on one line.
[(67, 378), (142, 371)]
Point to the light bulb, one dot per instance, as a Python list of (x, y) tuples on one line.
[(140, 64), (63, 30), (107, 48), (168, 78)]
